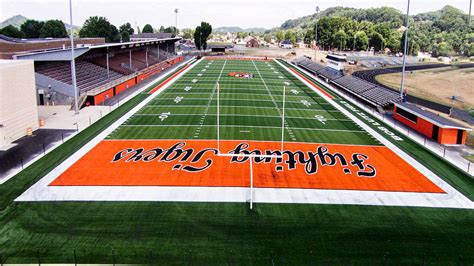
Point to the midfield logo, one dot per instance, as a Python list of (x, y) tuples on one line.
[(191, 160)]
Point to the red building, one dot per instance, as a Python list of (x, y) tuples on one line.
[(431, 125)]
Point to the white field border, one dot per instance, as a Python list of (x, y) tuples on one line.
[(42, 192)]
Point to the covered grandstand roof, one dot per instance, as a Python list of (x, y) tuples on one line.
[(436, 119), (65, 54)]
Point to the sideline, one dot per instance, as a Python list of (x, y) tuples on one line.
[(452, 193)]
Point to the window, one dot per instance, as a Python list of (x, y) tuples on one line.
[(407, 115)]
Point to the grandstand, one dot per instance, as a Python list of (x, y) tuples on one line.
[(375, 95), (102, 71)]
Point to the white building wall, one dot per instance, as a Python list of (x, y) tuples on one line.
[(18, 108)]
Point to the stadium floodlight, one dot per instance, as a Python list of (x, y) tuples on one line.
[(405, 50), (176, 21), (73, 63)]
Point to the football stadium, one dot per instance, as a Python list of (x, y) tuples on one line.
[(222, 158)]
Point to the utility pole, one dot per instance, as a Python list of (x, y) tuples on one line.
[(405, 49), (316, 34), (73, 62)]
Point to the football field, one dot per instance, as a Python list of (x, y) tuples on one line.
[(168, 177), (228, 130)]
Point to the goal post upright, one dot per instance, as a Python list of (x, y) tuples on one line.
[(218, 119), (251, 183), (283, 120)]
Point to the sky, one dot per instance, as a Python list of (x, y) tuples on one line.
[(241, 13)]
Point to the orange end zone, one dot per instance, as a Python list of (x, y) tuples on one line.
[(195, 163), (167, 80), (312, 83)]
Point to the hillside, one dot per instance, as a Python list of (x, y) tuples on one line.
[(238, 29), (17, 20), (14, 21)]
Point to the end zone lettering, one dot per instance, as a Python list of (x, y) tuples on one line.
[(311, 160)]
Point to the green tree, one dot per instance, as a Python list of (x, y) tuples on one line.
[(12, 31), (147, 29), (188, 33), (280, 35), (290, 35), (267, 38), (201, 34), (340, 39), (31, 28), (361, 40), (114, 34), (442, 49), (171, 30), (96, 27), (53, 29), (376, 40), (125, 31)]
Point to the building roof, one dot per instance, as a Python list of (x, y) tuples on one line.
[(431, 117), (39, 40), (65, 54), (150, 35)]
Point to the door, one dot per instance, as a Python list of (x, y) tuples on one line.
[(459, 138), (435, 133)]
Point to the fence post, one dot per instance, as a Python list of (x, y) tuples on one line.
[(468, 166), (90, 121), (444, 152), (62, 137), (100, 113), (424, 142), (75, 259), (113, 257), (44, 149), (21, 161), (38, 256)]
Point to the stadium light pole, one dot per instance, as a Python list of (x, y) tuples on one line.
[(470, 8), (73, 63), (316, 34), (405, 49), (176, 21)]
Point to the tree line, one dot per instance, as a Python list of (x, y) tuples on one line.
[(443, 33), (93, 27)]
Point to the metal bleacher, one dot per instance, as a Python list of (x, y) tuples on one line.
[(365, 90)]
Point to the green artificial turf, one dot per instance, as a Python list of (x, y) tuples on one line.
[(226, 233)]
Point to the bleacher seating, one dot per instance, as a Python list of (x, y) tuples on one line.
[(371, 92), (88, 75), (364, 89)]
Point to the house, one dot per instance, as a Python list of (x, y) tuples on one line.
[(252, 43), (286, 44)]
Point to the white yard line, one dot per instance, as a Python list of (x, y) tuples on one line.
[(239, 126), (263, 115), (249, 100), (240, 106), (206, 111), (290, 132)]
